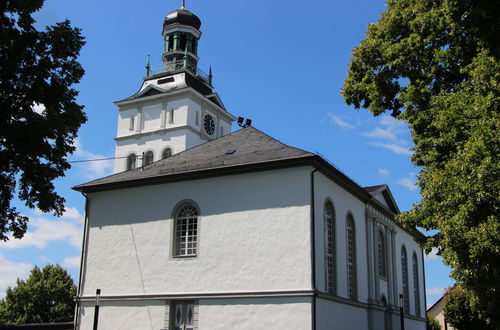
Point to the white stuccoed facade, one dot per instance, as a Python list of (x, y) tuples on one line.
[(261, 240), (173, 119), (253, 269)]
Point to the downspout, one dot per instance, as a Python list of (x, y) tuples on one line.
[(313, 254), (84, 239)]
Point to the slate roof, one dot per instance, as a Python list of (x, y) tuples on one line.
[(251, 148)]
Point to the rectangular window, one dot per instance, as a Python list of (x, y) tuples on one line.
[(171, 120), (131, 123)]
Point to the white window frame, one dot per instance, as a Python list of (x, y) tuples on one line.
[(131, 162), (352, 285), (381, 255), (416, 286), (330, 248), (186, 230), (147, 160), (404, 280)]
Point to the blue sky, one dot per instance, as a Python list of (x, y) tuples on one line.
[(280, 63)]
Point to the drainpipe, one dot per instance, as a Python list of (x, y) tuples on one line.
[(82, 257), (313, 253)]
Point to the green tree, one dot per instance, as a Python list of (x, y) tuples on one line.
[(39, 117), (46, 296), (432, 323), (435, 65), (459, 313)]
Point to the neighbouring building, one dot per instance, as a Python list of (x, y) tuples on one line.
[(437, 311), (204, 228)]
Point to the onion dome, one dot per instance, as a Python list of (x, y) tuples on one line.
[(183, 17)]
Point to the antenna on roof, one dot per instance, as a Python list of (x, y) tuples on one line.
[(183, 5)]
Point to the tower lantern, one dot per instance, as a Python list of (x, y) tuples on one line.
[(181, 32)]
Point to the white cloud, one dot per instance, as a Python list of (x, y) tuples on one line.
[(435, 291), (44, 259), (390, 134), (383, 172), (432, 254), (408, 182), (73, 214), (92, 169), (381, 133), (397, 149), (339, 121), (45, 230), (71, 262), (10, 271)]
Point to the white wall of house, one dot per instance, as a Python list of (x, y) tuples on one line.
[(291, 313), (403, 238), (248, 228), (251, 314), (344, 203), (123, 315), (335, 315)]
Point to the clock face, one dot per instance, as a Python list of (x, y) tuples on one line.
[(209, 124)]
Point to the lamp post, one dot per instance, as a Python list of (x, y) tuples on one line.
[(401, 311), (96, 311)]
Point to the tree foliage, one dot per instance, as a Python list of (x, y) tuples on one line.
[(459, 313), (435, 64), (432, 323), (39, 117), (47, 296)]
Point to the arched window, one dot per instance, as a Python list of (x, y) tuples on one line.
[(131, 161), (382, 256), (351, 259), (148, 158), (416, 288), (186, 231), (330, 248), (167, 152), (183, 40), (404, 270)]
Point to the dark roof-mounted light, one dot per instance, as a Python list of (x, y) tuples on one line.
[(248, 122)]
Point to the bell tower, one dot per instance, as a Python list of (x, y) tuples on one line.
[(175, 107)]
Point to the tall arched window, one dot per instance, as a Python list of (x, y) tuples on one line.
[(416, 287), (148, 158), (351, 259), (167, 152), (404, 270), (382, 255), (131, 161), (330, 248), (186, 231)]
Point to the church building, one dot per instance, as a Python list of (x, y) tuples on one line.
[(203, 228)]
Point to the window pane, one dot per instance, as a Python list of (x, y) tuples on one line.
[(404, 269), (416, 289), (186, 231), (166, 153), (351, 259), (330, 267), (131, 162)]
